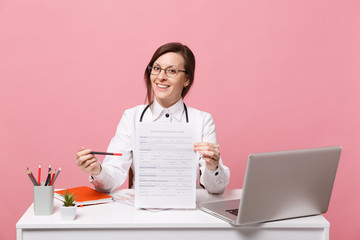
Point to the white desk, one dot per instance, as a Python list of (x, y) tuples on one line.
[(120, 221)]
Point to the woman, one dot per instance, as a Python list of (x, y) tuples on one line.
[(168, 76)]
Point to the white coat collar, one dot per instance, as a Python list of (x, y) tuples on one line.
[(176, 111)]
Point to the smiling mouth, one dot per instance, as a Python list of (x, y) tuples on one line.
[(162, 86)]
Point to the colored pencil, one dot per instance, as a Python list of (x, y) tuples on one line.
[(48, 178), (106, 153), (52, 178), (31, 177), (39, 175), (56, 175), (31, 174)]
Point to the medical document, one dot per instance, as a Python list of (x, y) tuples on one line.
[(165, 166)]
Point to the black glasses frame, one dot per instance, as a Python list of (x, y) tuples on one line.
[(150, 71)]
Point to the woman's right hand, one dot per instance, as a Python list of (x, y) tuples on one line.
[(88, 162)]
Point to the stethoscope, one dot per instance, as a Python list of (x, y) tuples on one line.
[(185, 109)]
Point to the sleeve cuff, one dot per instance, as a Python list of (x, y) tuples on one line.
[(100, 176), (213, 172)]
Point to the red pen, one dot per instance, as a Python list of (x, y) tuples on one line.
[(106, 153)]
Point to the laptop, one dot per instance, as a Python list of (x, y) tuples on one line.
[(282, 185)]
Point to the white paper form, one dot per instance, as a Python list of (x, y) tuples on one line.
[(165, 168)]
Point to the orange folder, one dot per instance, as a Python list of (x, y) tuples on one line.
[(85, 195)]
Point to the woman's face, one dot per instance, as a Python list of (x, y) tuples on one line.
[(167, 90)]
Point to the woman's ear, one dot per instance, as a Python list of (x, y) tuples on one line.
[(187, 82)]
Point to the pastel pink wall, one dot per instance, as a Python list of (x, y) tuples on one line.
[(276, 75)]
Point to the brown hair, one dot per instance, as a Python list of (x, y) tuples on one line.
[(189, 63)]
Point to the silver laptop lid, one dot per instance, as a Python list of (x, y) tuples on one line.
[(288, 184)]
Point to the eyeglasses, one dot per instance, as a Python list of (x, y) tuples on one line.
[(169, 71)]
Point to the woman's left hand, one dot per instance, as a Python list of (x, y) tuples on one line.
[(210, 153)]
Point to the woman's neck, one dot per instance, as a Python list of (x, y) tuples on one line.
[(167, 104)]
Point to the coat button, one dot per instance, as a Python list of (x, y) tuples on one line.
[(167, 115)]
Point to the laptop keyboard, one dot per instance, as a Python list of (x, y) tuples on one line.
[(233, 211)]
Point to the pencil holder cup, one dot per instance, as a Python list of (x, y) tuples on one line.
[(43, 199)]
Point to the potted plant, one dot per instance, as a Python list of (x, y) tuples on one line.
[(68, 210)]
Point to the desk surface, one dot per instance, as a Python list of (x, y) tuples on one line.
[(120, 216)]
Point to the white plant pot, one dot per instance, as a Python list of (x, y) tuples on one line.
[(68, 213)]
